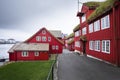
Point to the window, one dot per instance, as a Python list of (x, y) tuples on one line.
[(77, 44), (97, 45), (84, 31), (97, 25), (36, 53), (43, 32), (57, 47), (105, 22), (24, 53), (83, 18), (80, 32), (91, 45), (90, 28), (49, 39), (43, 38), (38, 38), (77, 33), (106, 46), (53, 47)]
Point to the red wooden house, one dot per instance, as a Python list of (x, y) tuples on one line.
[(70, 42), (38, 47), (102, 31)]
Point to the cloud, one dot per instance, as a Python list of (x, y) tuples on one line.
[(30, 15)]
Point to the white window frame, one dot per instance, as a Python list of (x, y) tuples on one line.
[(84, 18), (44, 38), (84, 31), (105, 22), (104, 46), (91, 28), (91, 45), (53, 47), (77, 43), (97, 45), (25, 54), (57, 47), (97, 25), (77, 33), (49, 39), (38, 38), (36, 53)]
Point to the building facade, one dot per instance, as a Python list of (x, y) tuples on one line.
[(70, 42), (37, 47), (100, 30)]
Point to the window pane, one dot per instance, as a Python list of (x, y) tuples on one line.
[(97, 25), (77, 33), (43, 38), (107, 46), (90, 28), (105, 22), (38, 38), (36, 53), (43, 32), (103, 46), (24, 54), (84, 31), (77, 44), (91, 45), (53, 47), (83, 18), (49, 38), (57, 47)]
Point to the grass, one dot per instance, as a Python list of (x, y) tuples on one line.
[(104, 7), (70, 42), (37, 70), (71, 35)]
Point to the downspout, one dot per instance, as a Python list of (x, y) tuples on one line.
[(115, 37)]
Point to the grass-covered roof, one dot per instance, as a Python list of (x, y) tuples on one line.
[(104, 7), (70, 36), (92, 4), (76, 28), (70, 42)]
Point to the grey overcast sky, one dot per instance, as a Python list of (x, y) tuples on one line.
[(19, 19)]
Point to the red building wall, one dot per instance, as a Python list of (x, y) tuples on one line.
[(31, 56), (53, 41), (71, 47), (112, 34)]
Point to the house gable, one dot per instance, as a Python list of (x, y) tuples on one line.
[(44, 36)]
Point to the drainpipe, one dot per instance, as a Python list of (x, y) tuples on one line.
[(115, 37)]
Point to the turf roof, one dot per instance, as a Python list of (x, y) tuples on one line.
[(70, 42), (76, 28), (104, 7), (70, 36), (92, 4)]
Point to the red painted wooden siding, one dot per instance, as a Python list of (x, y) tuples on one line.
[(52, 42), (31, 56), (112, 34)]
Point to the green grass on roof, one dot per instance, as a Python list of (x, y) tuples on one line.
[(76, 27), (92, 4), (70, 42), (105, 6), (70, 36)]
